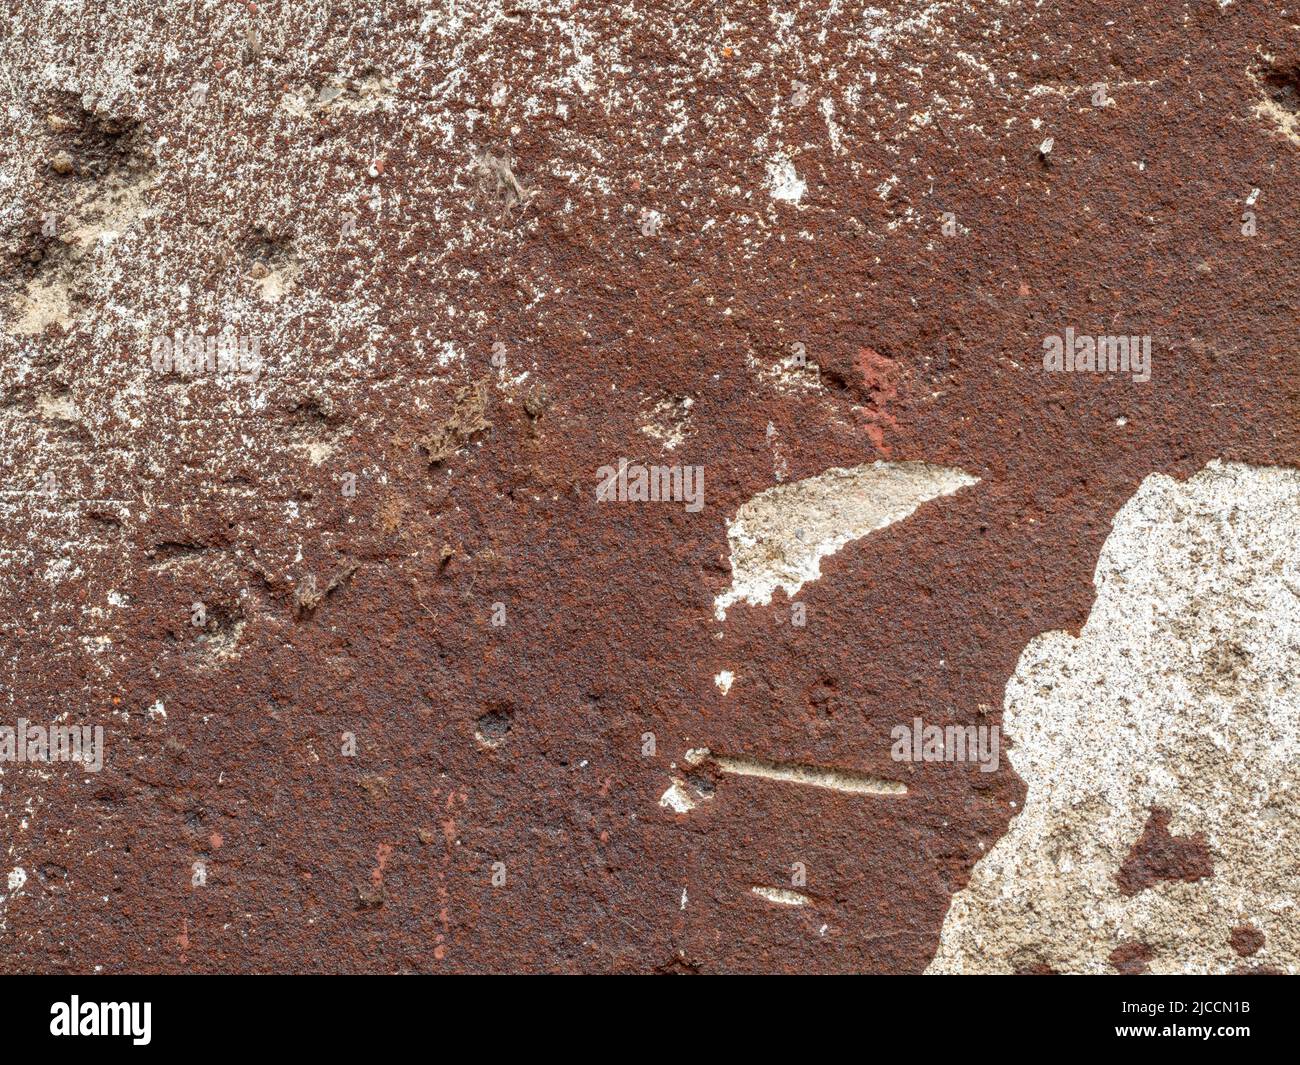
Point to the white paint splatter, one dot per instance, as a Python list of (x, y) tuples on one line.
[(783, 183)]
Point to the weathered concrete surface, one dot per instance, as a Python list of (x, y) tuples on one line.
[(486, 249), (1159, 748)]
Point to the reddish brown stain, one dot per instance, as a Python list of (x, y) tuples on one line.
[(879, 377), (610, 631), (1246, 940), (1158, 856), (1132, 959)]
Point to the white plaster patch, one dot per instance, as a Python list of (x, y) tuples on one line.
[(677, 799), (781, 896), (1181, 691), (779, 537), (783, 183)]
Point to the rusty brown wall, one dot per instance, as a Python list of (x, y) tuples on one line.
[(386, 686)]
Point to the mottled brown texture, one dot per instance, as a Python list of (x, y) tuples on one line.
[(1246, 940), (928, 348)]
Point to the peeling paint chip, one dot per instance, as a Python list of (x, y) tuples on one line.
[(779, 537), (677, 799)]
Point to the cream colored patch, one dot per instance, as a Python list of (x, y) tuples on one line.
[(1285, 122), (42, 304), (1181, 691), (371, 93), (779, 537), (808, 776), (273, 287), (57, 408), (95, 222), (220, 647), (119, 207), (783, 182), (677, 798), (319, 450), (781, 896)]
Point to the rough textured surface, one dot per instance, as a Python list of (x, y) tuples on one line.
[(1180, 693), (476, 250)]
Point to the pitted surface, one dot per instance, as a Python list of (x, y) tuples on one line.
[(464, 256)]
